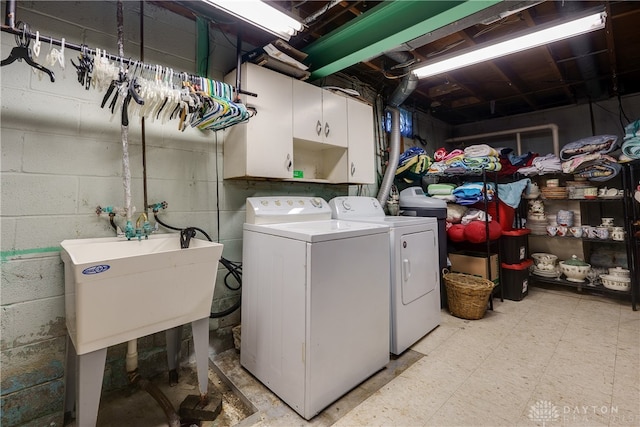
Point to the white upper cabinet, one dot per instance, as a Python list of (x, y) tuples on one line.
[(300, 132), (319, 115), (263, 147), (361, 151)]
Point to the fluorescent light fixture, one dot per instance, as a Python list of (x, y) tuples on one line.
[(261, 15), (516, 44)]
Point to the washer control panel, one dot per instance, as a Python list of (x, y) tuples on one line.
[(351, 207), (277, 209)]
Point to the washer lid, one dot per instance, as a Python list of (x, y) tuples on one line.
[(401, 221), (318, 231)]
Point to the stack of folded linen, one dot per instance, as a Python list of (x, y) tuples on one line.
[(588, 158), (442, 191), (473, 192), (541, 165)]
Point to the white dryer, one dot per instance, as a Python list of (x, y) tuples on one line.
[(315, 300), (414, 268)]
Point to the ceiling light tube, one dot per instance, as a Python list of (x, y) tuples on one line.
[(261, 15), (515, 44)]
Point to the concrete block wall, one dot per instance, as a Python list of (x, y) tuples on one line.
[(62, 157)]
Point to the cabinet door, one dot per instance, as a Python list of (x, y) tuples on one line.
[(334, 116), (361, 151), (307, 112), (263, 147), (319, 115)]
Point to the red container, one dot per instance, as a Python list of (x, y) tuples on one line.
[(515, 279)]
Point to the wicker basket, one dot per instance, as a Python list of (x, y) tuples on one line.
[(467, 295)]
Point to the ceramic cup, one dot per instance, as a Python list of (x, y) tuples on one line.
[(576, 231), (590, 192), (552, 230), (602, 191), (562, 230), (602, 232), (593, 232), (617, 233), (607, 222)]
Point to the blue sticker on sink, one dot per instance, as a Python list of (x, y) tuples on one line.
[(96, 269)]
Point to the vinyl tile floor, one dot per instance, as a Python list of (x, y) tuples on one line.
[(557, 358)]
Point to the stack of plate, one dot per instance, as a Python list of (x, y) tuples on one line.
[(544, 273), (537, 226), (554, 192)]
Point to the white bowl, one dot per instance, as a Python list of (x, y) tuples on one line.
[(617, 283), (619, 272), (544, 261), (574, 273)]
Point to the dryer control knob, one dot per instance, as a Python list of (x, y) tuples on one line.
[(316, 202), (346, 205)]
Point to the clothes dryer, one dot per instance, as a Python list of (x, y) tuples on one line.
[(414, 269), (315, 300)]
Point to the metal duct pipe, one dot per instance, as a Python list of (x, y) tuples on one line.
[(394, 157), (408, 83), (402, 92)]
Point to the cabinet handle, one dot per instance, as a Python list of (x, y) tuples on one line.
[(288, 163), (318, 128), (326, 129), (353, 169)]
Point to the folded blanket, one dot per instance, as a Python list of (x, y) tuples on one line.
[(480, 150), (584, 161), (589, 145)]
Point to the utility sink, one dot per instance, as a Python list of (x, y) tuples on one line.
[(117, 290)]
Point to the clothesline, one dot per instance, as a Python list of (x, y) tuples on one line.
[(92, 51)]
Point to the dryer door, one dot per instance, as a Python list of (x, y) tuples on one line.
[(419, 260)]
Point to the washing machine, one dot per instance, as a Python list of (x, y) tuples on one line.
[(315, 300), (414, 269)]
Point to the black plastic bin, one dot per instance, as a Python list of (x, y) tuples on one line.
[(514, 245), (515, 279)]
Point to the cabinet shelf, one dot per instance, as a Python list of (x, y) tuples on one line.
[(582, 286), (583, 239)]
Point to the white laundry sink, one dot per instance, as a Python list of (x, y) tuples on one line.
[(117, 290)]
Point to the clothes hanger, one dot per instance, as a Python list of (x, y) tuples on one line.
[(22, 51)]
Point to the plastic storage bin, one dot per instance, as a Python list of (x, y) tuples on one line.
[(515, 279), (514, 246)]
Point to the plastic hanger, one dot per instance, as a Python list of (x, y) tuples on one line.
[(23, 52)]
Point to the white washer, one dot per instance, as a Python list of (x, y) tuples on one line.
[(315, 300), (414, 272)]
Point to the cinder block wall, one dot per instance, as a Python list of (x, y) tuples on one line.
[(62, 157)]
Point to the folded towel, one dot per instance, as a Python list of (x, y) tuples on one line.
[(440, 189), (480, 150)]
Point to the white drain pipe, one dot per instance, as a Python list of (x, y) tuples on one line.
[(518, 131)]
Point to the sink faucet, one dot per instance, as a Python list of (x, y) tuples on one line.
[(139, 231)]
